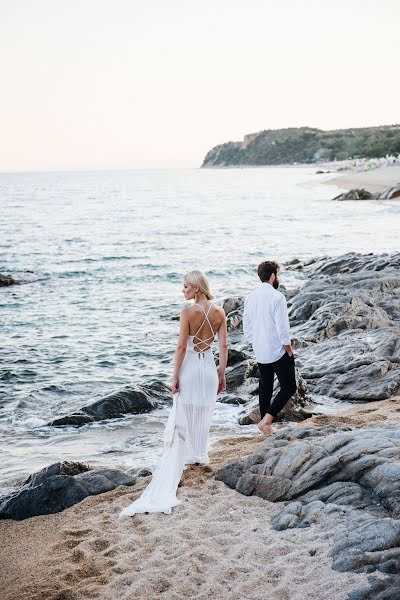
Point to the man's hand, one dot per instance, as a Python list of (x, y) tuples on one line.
[(289, 349)]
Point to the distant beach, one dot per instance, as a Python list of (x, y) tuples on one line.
[(375, 180)]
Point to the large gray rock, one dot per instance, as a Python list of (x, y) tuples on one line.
[(297, 461), (6, 280), (66, 467), (345, 321), (328, 306), (393, 192), (232, 303), (345, 482), (351, 262), (379, 589), (233, 308), (60, 486), (237, 374), (356, 194), (132, 399), (297, 514), (354, 366), (236, 354), (368, 543)]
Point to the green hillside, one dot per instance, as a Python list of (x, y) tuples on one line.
[(306, 145)]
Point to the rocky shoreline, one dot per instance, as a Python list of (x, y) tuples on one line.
[(325, 473), (345, 320), (362, 194)]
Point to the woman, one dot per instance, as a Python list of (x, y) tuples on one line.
[(195, 385)]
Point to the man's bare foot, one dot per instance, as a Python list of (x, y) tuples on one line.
[(265, 428)]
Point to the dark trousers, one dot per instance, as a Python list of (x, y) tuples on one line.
[(286, 374)]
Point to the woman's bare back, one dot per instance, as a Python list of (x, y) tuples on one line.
[(199, 325)]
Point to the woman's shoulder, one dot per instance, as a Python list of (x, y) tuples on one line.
[(195, 308), (218, 316), (218, 309), (185, 312)]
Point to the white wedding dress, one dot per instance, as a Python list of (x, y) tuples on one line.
[(186, 431)]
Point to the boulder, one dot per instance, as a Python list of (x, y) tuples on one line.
[(233, 303), (135, 399), (351, 262), (233, 308), (379, 589), (60, 486), (368, 544), (327, 306), (344, 481), (302, 464), (234, 320), (354, 366), (66, 467), (238, 373), (345, 320), (236, 354), (356, 194), (6, 280), (233, 399), (297, 514), (393, 192)]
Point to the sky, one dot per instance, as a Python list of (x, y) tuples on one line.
[(121, 84)]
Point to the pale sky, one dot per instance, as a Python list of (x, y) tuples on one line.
[(92, 84)]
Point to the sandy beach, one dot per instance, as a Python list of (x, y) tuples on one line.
[(218, 543), (376, 180)]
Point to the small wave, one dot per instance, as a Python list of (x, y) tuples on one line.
[(117, 258), (8, 375), (31, 422), (72, 273), (106, 363)]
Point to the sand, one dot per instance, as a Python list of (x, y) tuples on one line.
[(217, 544), (376, 180)]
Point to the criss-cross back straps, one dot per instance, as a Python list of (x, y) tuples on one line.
[(197, 344)]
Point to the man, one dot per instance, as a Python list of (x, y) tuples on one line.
[(266, 326)]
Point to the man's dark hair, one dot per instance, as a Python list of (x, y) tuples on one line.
[(266, 268)]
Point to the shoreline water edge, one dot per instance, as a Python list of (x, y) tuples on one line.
[(312, 511)]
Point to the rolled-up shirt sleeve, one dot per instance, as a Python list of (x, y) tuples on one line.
[(247, 323), (282, 321)]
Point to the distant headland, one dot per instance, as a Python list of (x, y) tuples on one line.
[(305, 145)]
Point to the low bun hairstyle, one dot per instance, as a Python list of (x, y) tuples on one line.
[(200, 279)]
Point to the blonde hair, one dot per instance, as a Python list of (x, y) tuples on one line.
[(200, 279)]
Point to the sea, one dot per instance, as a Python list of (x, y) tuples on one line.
[(102, 255)]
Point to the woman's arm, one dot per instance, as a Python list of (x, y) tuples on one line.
[(223, 355), (180, 348)]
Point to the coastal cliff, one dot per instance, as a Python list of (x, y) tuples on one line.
[(305, 145)]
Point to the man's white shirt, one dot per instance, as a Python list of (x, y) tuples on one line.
[(266, 323)]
